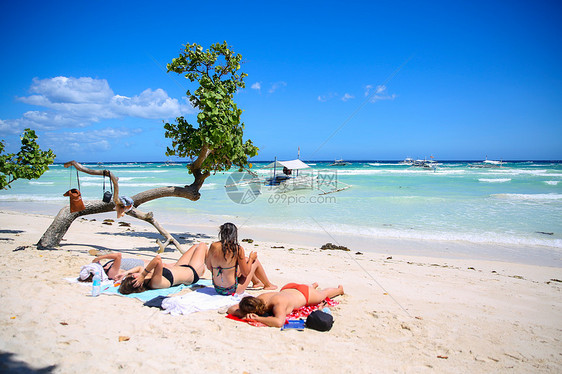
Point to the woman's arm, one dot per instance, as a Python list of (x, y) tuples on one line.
[(136, 269), (156, 265), (212, 250), (246, 265), (273, 321), (235, 311), (110, 256), (114, 270), (278, 318)]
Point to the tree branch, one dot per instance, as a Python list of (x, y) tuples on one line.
[(114, 178), (149, 217)]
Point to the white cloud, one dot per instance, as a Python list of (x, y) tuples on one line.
[(256, 86), (347, 97), (87, 141), (379, 94), (277, 85), (72, 90), (324, 98), (77, 102)]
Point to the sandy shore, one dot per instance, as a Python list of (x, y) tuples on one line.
[(401, 313)]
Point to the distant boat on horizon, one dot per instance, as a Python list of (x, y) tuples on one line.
[(339, 162), (488, 164), (407, 161)]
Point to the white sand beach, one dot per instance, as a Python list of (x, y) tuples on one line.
[(400, 313)]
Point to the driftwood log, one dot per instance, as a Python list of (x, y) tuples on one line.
[(60, 225)]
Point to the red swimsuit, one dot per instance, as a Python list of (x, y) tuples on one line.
[(302, 288)]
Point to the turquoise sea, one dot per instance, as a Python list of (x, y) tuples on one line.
[(518, 204)]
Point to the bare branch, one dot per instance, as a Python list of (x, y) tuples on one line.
[(149, 217), (113, 177)]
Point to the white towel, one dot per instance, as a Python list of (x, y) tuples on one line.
[(196, 301), (91, 268)]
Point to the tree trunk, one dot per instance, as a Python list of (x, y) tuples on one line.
[(60, 225)]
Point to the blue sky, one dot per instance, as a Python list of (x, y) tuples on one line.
[(377, 80)]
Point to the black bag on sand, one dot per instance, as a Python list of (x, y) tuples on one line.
[(319, 320)]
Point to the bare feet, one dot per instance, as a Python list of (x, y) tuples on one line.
[(315, 285), (270, 287), (340, 287), (256, 285)]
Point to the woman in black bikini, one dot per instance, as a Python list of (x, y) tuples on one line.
[(187, 270), (112, 268)]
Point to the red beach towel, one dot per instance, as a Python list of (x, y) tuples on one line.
[(302, 312)]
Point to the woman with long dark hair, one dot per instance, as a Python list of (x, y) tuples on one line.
[(232, 271), (272, 308), (187, 270)]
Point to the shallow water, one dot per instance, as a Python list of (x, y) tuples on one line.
[(518, 204)]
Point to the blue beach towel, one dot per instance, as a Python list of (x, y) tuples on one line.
[(151, 294)]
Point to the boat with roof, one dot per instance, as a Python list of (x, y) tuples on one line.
[(426, 164), (407, 161)]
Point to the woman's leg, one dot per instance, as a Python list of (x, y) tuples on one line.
[(197, 260), (185, 259), (260, 279), (316, 296)]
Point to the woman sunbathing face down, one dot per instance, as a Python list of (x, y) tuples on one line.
[(279, 304)]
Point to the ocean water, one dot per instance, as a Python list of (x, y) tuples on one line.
[(517, 204)]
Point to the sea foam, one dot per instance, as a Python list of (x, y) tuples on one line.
[(499, 180)]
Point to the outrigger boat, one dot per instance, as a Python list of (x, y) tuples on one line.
[(287, 168), (289, 173), (426, 164)]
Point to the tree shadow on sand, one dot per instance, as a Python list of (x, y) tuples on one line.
[(10, 232), (9, 365), (187, 239), (183, 238)]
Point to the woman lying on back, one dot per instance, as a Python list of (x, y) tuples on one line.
[(272, 308), (232, 271), (187, 270), (112, 268)]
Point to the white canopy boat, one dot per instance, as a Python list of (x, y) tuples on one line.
[(287, 173), (426, 164)]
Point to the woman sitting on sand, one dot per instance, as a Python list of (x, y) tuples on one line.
[(187, 270), (280, 304), (232, 271), (116, 265)]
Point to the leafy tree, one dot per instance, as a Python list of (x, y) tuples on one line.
[(29, 163), (216, 142), (213, 144)]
